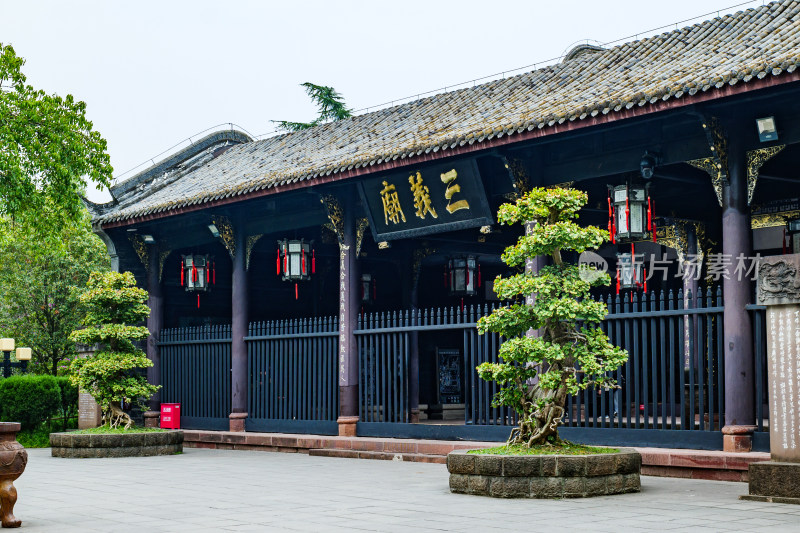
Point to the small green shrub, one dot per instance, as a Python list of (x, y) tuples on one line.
[(29, 400)]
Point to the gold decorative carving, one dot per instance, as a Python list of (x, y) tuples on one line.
[(672, 232), (140, 248), (251, 242), (418, 255), (716, 166), (162, 258), (361, 226), (519, 177), (712, 167), (225, 228), (756, 158), (335, 214), (772, 220), (562, 185)]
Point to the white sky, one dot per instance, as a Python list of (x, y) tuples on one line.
[(154, 73)]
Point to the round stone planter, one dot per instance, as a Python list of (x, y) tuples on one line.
[(544, 476), (116, 445), (13, 459)]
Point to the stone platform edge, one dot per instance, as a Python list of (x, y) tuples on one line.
[(662, 462)]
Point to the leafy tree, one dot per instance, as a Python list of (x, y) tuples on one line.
[(48, 148), (539, 372), (330, 103), (42, 275), (111, 302)]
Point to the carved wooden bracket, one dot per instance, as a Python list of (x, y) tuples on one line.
[(716, 166), (756, 158), (226, 233)]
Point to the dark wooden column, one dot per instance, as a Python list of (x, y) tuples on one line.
[(738, 339), (348, 315), (155, 321), (239, 304), (413, 346)]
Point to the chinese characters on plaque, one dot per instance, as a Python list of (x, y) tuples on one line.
[(426, 200)]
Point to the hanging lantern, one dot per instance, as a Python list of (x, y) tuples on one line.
[(296, 260), (630, 273), (793, 232), (197, 272), (630, 212), (367, 289), (463, 281)]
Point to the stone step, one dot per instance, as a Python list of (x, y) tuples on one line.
[(382, 456)]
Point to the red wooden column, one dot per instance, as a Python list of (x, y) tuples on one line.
[(239, 304), (348, 314), (155, 320), (738, 337)]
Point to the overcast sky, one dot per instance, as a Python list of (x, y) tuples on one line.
[(155, 73)]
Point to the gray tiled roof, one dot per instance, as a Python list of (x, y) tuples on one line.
[(733, 49)]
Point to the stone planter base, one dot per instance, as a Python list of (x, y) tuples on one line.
[(116, 445), (775, 482), (544, 476)]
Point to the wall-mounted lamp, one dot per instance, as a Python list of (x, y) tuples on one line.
[(148, 239), (767, 130), (214, 231)]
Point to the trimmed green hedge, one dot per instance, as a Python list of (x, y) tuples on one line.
[(30, 400)]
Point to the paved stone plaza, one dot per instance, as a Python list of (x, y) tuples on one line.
[(218, 490)]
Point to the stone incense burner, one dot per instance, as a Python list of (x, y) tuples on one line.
[(13, 459)]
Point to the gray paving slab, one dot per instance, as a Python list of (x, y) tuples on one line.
[(218, 490)]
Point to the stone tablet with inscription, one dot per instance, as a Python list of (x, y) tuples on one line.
[(779, 290)]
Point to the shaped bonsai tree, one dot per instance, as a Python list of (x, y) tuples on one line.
[(538, 373), (111, 302)]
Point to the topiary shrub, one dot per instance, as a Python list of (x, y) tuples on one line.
[(538, 373), (111, 302), (29, 400)]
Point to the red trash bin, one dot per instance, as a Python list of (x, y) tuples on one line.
[(170, 416)]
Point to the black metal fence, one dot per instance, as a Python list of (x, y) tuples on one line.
[(293, 382), (671, 389), (196, 372), (674, 376)]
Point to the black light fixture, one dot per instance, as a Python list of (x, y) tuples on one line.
[(630, 212), (23, 355), (463, 276), (368, 289), (296, 262), (767, 129), (214, 230), (793, 232), (647, 165), (198, 273)]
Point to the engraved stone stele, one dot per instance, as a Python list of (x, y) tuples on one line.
[(778, 480), (13, 459), (89, 413)]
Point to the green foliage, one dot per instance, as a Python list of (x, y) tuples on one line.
[(538, 373), (69, 400), (29, 400), (330, 104), (110, 374), (44, 269), (48, 149), (562, 448)]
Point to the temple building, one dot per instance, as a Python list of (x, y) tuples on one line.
[(329, 280)]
